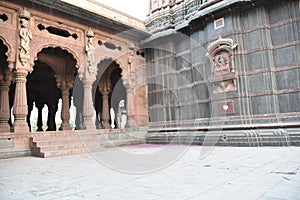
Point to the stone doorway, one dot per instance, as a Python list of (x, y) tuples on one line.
[(110, 96), (49, 85)]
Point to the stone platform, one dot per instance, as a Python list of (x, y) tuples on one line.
[(240, 138), (61, 143)]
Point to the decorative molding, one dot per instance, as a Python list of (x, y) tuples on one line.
[(167, 16)]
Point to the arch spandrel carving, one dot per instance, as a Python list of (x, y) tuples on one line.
[(10, 50), (76, 54)]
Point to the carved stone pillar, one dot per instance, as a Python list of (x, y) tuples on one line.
[(105, 110), (65, 113), (51, 118), (4, 103), (20, 109), (128, 83), (88, 107), (130, 108), (65, 83), (22, 68)]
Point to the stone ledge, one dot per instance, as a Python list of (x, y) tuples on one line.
[(246, 138), (11, 153)]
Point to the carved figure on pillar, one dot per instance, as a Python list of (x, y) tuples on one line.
[(90, 50), (131, 57), (25, 36), (87, 75), (20, 108)]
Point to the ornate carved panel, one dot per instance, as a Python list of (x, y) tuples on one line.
[(223, 76)]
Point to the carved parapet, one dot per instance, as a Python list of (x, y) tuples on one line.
[(223, 76)]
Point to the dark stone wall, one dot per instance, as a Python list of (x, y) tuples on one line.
[(266, 63)]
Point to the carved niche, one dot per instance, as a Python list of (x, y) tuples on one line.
[(223, 76)]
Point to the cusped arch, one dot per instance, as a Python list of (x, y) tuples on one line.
[(9, 53), (64, 48), (118, 61)]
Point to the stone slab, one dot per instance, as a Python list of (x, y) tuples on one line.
[(188, 172)]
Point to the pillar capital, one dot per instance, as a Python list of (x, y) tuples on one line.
[(87, 82), (64, 82), (104, 86), (11, 65), (6, 78)]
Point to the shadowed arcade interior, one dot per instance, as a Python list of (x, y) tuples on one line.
[(52, 78), (110, 95)]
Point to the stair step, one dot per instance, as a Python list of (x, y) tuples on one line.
[(59, 137), (70, 152), (69, 146), (68, 143), (61, 142), (50, 145)]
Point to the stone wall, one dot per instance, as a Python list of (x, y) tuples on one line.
[(265, 77)]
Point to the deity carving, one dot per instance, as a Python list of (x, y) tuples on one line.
[(25, 36), (131, 57), (224, 86), (223, 76), (90, 50), (221, 63)]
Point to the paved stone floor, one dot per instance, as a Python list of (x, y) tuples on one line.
[(156, 172)]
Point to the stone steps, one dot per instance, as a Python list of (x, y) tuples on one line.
[(248, 138), (67, 143), (64, 152)]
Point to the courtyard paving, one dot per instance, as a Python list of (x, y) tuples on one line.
[(156, 172)]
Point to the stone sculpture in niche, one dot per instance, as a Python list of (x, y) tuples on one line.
[(25, 36), (223, 78), (90, 50)]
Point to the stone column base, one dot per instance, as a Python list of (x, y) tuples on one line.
[(4, 128), (20, 127), (66, 126), (106, 125), (89, 124)]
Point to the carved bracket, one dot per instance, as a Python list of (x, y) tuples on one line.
[(223, 76)]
